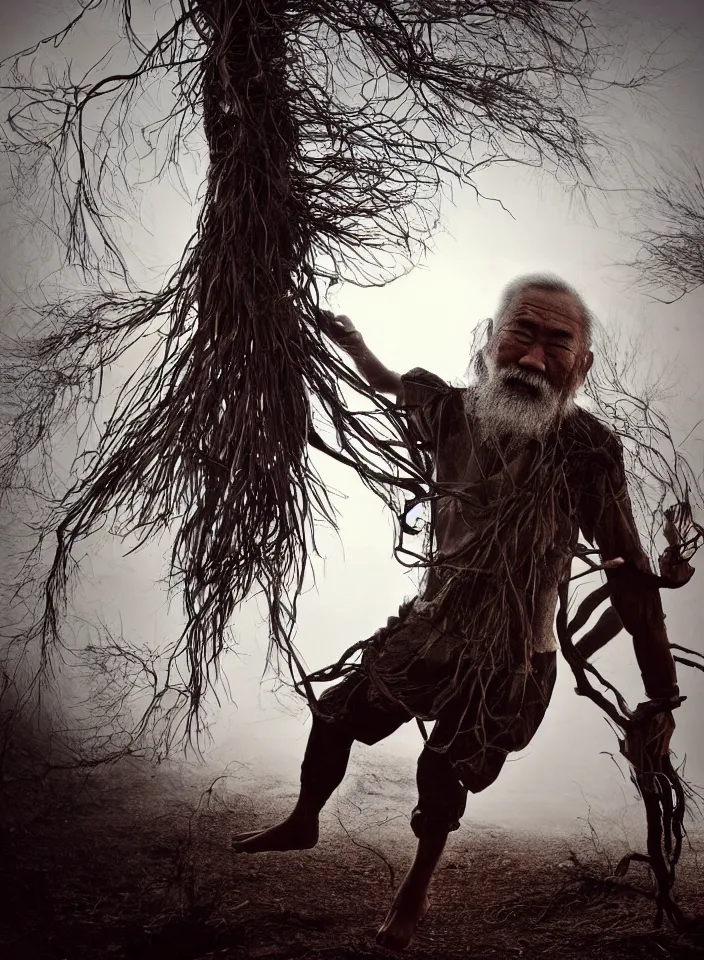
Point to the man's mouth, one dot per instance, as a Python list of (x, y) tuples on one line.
[(520, 386)]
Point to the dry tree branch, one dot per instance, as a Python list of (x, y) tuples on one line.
[(658, 471), (659, 783), (377, 853), (671, 239), (657, 468)]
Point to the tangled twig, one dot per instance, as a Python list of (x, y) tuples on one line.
[(645, 745)]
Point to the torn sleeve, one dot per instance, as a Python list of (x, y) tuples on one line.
[(421, 396)]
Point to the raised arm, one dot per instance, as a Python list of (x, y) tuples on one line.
[(343, 332)]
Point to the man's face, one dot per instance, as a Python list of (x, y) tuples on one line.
[(536, 361), (542, 332)]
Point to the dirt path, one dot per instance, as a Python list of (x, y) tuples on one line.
[(135, 864)]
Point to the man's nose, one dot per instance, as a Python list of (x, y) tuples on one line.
[(533, 358)]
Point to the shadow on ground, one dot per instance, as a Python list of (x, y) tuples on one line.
[(133, 862)]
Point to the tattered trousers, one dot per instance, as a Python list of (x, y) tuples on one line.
[(499, 716)]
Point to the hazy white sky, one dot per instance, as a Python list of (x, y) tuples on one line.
[(426, 319)]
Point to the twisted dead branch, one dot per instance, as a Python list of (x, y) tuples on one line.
[(671, 237)]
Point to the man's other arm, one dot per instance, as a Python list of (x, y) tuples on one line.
[(611, 525)]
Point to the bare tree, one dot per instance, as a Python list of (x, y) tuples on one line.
[(671, 239)]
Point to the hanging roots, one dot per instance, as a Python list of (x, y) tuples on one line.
[(330, 128)]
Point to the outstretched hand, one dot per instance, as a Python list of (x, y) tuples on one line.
[(339, 328)]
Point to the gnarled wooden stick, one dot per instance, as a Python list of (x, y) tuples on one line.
[(653, 774)]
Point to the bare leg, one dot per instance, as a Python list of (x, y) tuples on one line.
[(411, 901), (441, 803), (299, 831), (324, 765)]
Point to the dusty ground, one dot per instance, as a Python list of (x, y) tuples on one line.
[(133, 862)]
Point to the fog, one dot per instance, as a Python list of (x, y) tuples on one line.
[(426, 319)]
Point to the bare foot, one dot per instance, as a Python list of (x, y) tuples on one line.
[(405, 914), (291, 834)]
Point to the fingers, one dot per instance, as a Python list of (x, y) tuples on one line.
[(338, 321)]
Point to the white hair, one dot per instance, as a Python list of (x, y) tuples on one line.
[(544, 281), (499, 411)]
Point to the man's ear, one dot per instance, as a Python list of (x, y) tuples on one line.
[(587, 363), (489, 329)]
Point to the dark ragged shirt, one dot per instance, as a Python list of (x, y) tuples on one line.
[(600, 508)]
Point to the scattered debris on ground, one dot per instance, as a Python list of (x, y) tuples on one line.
[(133, 862)]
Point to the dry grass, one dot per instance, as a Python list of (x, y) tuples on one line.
[(133, 862)]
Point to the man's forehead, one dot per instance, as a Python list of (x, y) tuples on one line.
[(549, 306)]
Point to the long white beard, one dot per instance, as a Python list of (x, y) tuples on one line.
[(500, 411)]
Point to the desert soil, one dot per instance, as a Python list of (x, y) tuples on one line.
[(133, 862)]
